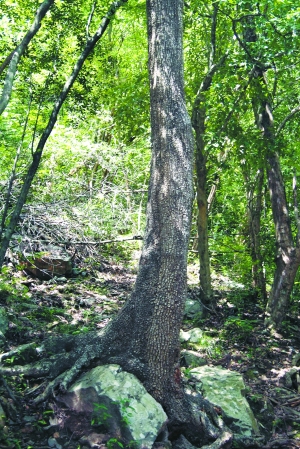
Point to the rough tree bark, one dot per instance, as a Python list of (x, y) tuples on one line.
[(288, 248), (144, 337)]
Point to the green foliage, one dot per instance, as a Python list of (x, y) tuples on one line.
[(125, 410), (235, 327), (114, 443), (256, 397), (11, 288), (100, 415)]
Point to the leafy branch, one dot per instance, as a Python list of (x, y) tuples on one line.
[(36, 157), (14, 57)]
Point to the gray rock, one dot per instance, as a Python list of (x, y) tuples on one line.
[(193, 308), (182, 443), (53, 443), (118, 398), (225, 388), (290, 375), (192, 358), (193, 335)]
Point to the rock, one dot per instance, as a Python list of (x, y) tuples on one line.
[(49, 262), (94, 440), (192, 335), (291, 377), (192, 358), (53, 443), (192, 309), (296, 360), (182, 443), (110, 397), (225, 388)]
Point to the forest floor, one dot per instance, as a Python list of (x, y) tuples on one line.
[(237, 341)]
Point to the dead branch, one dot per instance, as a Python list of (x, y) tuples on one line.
[(101, 242)]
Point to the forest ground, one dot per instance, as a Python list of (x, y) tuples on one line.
[(236, 340)]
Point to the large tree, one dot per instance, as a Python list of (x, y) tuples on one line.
[(144, 337)]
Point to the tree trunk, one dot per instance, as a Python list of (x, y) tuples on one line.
[(254, 207), (148, 326), (14, 57), (288, 253), (198, 121), (199, 116)]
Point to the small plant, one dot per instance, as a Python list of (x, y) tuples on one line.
[(114, 443), (100, 415), (240, 329), (125, 408), (256, 397), (277, 423)]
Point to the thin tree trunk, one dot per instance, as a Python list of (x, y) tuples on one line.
[(288, 253), (14, 57), (254, 208), (198, 120), (36, 158)]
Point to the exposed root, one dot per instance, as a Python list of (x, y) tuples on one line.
[(223, 441), (193, 421), (26, 351)]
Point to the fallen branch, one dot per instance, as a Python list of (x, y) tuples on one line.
[(101, 242)]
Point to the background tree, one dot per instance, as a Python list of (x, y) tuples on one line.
[(265, 91)]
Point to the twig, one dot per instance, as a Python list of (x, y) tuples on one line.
[(286, 119), (101, 242)]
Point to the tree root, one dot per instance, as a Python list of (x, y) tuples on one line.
[(224, 441), (59, 360), (62, 360)]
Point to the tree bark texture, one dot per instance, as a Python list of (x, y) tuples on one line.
[(150, 322)]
